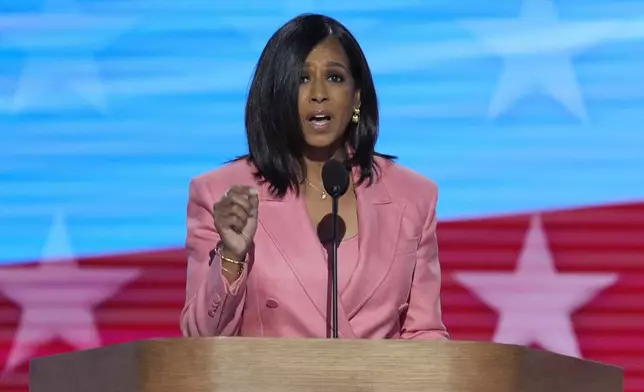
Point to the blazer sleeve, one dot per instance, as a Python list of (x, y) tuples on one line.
[(212, 306), (424, 317)]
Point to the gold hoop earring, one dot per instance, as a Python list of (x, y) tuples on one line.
[(356, 115)]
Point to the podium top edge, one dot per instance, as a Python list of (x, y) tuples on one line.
[(485, 346)]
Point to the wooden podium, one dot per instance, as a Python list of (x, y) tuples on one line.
[(311, 365)]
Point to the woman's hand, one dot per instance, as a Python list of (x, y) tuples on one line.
[(236, 220)]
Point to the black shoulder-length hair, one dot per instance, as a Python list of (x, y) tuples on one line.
[(273, 128)]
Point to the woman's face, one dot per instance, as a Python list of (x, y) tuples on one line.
[(327, 96)]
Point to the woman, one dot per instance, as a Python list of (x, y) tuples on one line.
[(260, 267)]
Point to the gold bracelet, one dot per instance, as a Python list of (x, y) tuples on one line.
[(232, 261), (231, 272), (228, 259)]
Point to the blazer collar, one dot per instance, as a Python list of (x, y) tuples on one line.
[(379, 222)]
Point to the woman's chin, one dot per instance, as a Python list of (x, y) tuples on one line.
[(321, 141), (322, 149)]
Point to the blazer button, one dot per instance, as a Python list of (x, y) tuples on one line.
[(211, 313), (271, 303)]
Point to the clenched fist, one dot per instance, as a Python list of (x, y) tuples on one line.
[(236, 220)]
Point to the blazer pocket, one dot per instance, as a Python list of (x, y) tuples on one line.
[(406, 245)]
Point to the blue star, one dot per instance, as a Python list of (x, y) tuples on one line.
[(538, 51), (60, 44)]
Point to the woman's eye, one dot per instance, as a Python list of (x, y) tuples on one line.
[(331, 78)]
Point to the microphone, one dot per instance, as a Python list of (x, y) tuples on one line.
[(335, 178)]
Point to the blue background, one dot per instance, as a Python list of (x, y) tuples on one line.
[(109, 107)]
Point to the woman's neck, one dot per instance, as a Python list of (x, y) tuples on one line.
[(313, 163)]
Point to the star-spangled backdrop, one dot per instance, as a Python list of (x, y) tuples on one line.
[(527, 113)]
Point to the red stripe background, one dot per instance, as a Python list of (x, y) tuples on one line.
[(610, 328)]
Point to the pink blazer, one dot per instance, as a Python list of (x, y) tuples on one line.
[(393, 292)]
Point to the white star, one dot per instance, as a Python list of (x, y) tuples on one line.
[(60, 46), (534, 62), (57, 298), (535, 301)]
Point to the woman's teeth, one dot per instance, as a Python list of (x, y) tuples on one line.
[(320, 121)]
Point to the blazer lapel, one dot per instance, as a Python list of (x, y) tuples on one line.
[(379, 221), (288, 225)]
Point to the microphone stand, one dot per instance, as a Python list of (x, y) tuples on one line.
[(335, 177), (334, 265)]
